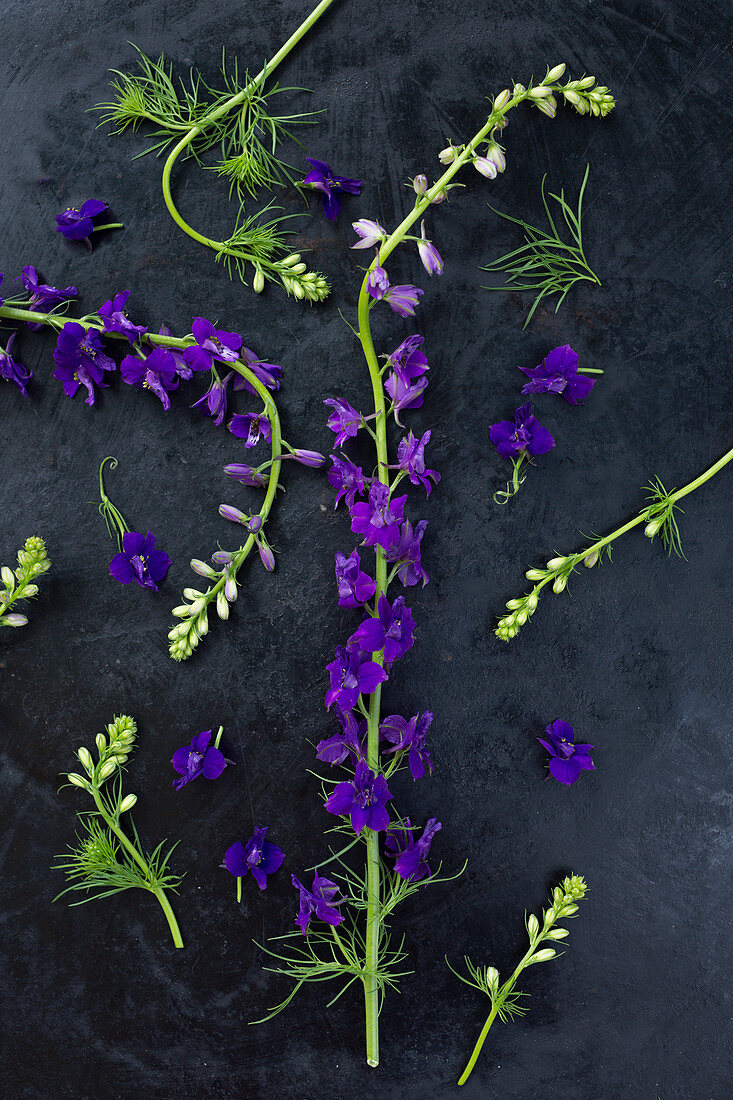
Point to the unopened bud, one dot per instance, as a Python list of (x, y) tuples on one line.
[(309, 458), (420, 184), (108, 769), (234, 515), (532, 601), (447, 155), (291, 261), (30, 590), (258, 283), (557, 933), (535, 574), (85, 759), (221, 557), (101, 741), (547, 106), (192, 593), (127, 803), (197, 606), (182, 611), (555, 73), (266, 555), (502, 99), (254, 524), (533, 925), (202, 568), (652, 527), (544, 955), (486, 167), (492, 977), (519, 89), (590, 560), (540, 92), (559, 585), (8, 576), (14, 619), (77, 781), (230, 588), (555, 563), (586, 82), (222, 606)]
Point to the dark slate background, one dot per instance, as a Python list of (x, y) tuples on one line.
[(96, 1001)]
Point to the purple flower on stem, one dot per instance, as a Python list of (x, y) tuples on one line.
[(80, 360), (370, 232), (524, 436), (139, 561), (558, 373), (354, 587), (345, 421), (250, 427), (346, 478), (391, 630), (322, 179), (410, 736), (404, 394), (269, 374), (352, 673), (378, 521), (411, 459), (182, 368), (377, 283), (319, 902), (43, 297), (350, 742), (405, 384), (411, 855), (408, 359), (405, 553), (567, 760), (211, 343), (313, 459), (363, 800), (214, 401), (429, 255), (11, 370), (198, 758), (402, 298), (77, 224), (156, 372), (247, 475), (114, 320), (258, 856)]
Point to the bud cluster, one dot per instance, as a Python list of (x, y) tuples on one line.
[(113, 750), (298, 281), (20, 585), (186, 635)]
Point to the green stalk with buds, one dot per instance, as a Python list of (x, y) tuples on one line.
[(106, 860), (506, 999), (21, 584)]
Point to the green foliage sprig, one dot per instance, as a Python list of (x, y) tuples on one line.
[(21, 584)]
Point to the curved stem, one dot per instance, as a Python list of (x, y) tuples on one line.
[(477, 1049)]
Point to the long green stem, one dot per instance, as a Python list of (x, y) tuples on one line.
[(477, 1049)]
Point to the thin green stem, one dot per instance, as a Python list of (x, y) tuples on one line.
[(477, 1049), (109, 225)]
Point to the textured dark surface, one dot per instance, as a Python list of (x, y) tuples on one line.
[(97, 1003)]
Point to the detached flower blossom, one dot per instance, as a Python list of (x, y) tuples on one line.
[(405, 552), (345, 421), (352, 673), (319, 902), (391, 630), (251, 428), (114, 320), (354, 587), (402, 298), (363, 801), (558, 373), (77, 224), (156, 372), (567, 760), (350, 742), (198, 758), (378, 521), (139, 561), (346, 478), (525, 436), (11, 370), (211, 343), (410, 735), (44, 298), (80, 360), (371, 233), (258, 856), (322, 178), (411, 459), (411, 855)]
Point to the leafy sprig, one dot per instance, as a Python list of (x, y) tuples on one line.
[(21, 584)]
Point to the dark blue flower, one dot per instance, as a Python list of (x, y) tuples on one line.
[(322, 178), (258, 856), (11, 370), (43, 297), (411, 855), (523, 436), (139, 561), (567, 759), (198, 758), (319, 902), (363, 800), (76, 224), (558, 373), (115, 320), (80, 360)]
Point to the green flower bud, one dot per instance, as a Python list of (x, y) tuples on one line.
[(447, 155), (197, 605), (258, 283), (559, 585), (557, 933), (590, 560), (101, 742), (78, 781), (653, 526), (108, 769), (291, 260), (222, 606), (532, 601), (30, 590), (502, 99), (202, 568), (540, 92), (85, 759), (535, 574), (127, 803), (542, 956), (192, 593), (555, 73), (492, 977), (182, 611), (555, 563), (8, 577), (533, 925), (549, 915)]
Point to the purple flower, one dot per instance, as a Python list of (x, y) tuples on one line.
[(322, 179), (524, 436), (350, 742), (44, 297), (354, 587), (247, 475), (402, 298), (411, 855), (313, 459), (345, 421), (371, 233), (182, 368), (76, 224), (410, 736), (378, 521), (211, 343), (80, 360), (319, 902), (251, 428), (346, 478), (156, 372), (352, 673), (429, 255), (411, 459), (408, 359), (391, 630), (139, 561), (377, 283), (364, 800), (258, 855), (567, 760), (214, 401), (405, 551), (404, 395), (198, 758), (269, 374), (114, 320), (11, 370), (405, 384), (558, 373)]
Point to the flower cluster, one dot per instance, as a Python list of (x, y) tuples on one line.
[(21, 584)]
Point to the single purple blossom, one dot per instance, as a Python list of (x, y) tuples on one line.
[(392, 630), (76, 224), (354, 587), (567, 760), (313, 459), (558, 373), (251, 428), (405, 384), (363, 800), (182, 368), (524, 436), (156, 372), (198, 758), (345, 421), (214, 401), (370, 232), (405, 552), (319, 902), (247, 475), (352, 673), (346, 478), (80, 360), (411, 459), (139, 561), (322, 179), (486, 167), (404, 394), (11, 370), (378, 521), (429, 255), (350, 742), (269, 374), (377, 283), (44, 298), (408, 359), (114, 320), (411, 855), (402, 298), (409, 735), (211, 343), (258, 855)]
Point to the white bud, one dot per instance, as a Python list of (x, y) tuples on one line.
[(291, 260), (202, 568), (521, 618), (101, 741), (181, 611), (519, 89), (30, 590), (559, 585), (258, 283), (544, 955), (77, 781), (8, 577), (492, 977), (486, 167), (196, 606), (14, 619), (574, 99), (127, 803), (502, 99), (540, 92), (652, 527), (108, 769), (191, 593), (85, 759), (532, 601), (586, 82), (590, 560), (555, 563), (555, 74), (222, 606), (533, 925), (535, 574), (447, 155), (558, 933)]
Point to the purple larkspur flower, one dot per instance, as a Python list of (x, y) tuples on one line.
[(214, 401), (313, 459), (408, 358), (115, 320), (558, 373), (363, 800), (405, 552), (198, 758), (322, 178), (247, 475), (392, 630), (430, 258), (411, 855), (156, 372), (346, 478), (76, 224), (404, 395), (251, 427), (80, 360), (11, 370), (269, 374), (401, 298), (139, 561), (409, 736), (567, 759), (345, 421), (182, 368), (369, 232), (411, 459), (354, 586), (525, 435), (319, 902), (406, 384), (352, 673), (377, 283), (257, 856), (211, 343), (351, 742), (44, 298), (378, 520)]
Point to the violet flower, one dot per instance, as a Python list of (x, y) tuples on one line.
[(76, 224), (346, 478), (11, 370), (345, 421), (214, 401), (363, 800), (558, 373), (407, 359), (247, 475), (250, 427), (139, 561), (524, 436), (405, 552), (350, 742), (567, 760), (258, 856), (352, 673), (44, 298), (405, 384), (156, 372), (370, 232), (269, 374), (429, 255), (80, 360), (114, 320), (378, 521), (409, 735), (211, 343), (392, 630), (404, 394), (354, 587), (322, 178), (319, 902), (182, 368), (377, 283), (402, 298), (314, 460), (411, 459), (198, 758), (411, 855)]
